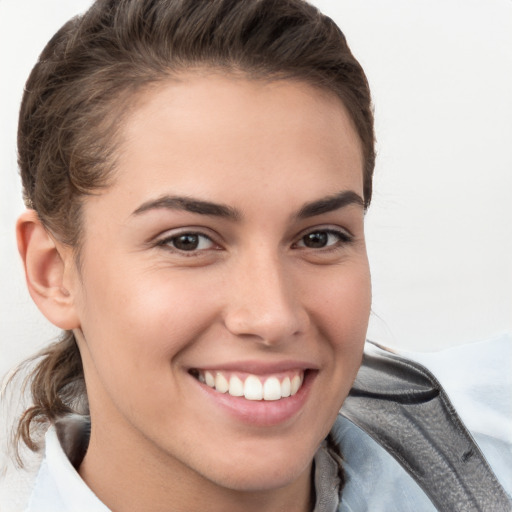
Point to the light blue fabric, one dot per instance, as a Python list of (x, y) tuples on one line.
[(374, 480), (478, 380)]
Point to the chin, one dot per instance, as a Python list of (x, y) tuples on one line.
[(248, 480), (264, 469)]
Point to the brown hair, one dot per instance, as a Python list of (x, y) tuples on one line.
[(90, 72)]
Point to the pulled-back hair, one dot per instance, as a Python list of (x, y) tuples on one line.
[(88, 77)]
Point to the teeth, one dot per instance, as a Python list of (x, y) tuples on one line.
[(210, 379), (221, 383), (286, 389), (253, 388), (295, 384), (236, 386), (272, 389)]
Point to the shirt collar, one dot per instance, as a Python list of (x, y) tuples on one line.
[(60, 488)]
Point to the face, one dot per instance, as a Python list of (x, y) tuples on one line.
[(224, 292)]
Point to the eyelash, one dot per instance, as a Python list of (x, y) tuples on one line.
[(169, 242), (343, 238)]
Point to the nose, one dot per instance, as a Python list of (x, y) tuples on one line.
[(264, 303)]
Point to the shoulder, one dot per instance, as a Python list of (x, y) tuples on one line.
[(444, 418), (17, 483), (478, 380), (50, 482)]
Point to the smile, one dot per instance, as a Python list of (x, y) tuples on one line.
[(250, 386)]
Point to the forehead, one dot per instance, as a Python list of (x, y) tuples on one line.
[(208, 135)]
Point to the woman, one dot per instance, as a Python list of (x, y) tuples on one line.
[(196, 176)]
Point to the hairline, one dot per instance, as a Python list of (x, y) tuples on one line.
[(132, 97)]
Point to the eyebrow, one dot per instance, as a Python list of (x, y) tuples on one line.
[(190, 205), (312, 209), (330, 203)]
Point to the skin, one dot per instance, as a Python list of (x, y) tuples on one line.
[(145, 313)]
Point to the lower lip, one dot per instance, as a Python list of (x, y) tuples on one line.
[(262, 413)]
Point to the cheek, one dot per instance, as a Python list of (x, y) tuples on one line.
[(342, 309), (343, 301), (136, 324)]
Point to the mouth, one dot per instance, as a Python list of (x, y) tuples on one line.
[(271, 387)]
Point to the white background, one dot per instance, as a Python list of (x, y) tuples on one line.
[(439, 230)]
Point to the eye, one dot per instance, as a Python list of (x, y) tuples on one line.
[(188, 242), (323, 238)]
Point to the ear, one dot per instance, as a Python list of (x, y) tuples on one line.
[(49, 270)]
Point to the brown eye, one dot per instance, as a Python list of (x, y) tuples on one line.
[(323, 239), (316, 240), (188, 242)]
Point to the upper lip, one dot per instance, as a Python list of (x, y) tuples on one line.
[(259, 367)]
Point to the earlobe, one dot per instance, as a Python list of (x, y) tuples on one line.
[(46, 266)]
